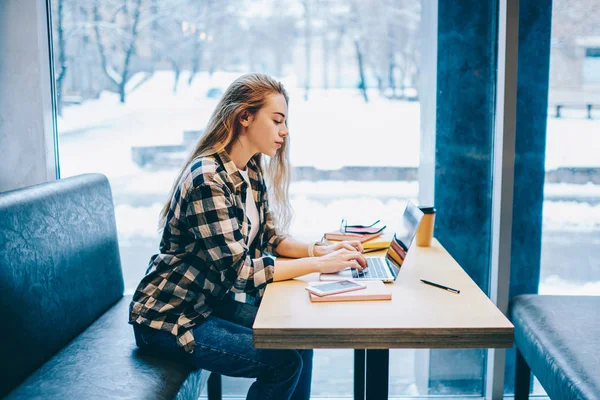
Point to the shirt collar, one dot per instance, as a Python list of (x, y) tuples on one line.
[(233, 171), (252, 168)]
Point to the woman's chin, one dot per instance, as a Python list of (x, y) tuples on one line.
[(271, 153)]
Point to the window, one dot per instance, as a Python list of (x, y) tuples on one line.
[(571, 211), (137, 80), (571, 217)]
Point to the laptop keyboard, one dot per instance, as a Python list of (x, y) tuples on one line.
[(376, 269)]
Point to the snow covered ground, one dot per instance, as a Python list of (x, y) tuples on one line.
[(327, 132)]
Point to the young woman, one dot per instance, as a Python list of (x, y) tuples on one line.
[(201, 292)]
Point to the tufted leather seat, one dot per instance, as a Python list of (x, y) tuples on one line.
[(64, 323), (559, 339), (104, 363)]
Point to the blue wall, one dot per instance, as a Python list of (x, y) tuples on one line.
[(466, 83)]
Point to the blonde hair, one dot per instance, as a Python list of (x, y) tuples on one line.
[(247, 93)]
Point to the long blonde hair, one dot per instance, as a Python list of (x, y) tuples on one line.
[(247, 93)]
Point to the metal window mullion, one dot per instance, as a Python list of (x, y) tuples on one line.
[(428, 101), (51, 114), (428, 124), (503, 178)]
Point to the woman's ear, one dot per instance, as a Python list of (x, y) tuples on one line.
[(245, 119)]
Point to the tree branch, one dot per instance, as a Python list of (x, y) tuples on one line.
[(100, 45)]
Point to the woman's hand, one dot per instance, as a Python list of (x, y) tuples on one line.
[(352, 245), (341, 259)]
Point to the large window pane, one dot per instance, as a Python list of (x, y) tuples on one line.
[(138, 79), (571, 208), (571, 227)]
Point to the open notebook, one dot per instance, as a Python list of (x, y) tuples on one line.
[(375, 290)]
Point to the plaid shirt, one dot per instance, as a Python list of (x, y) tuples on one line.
[(204, 251)]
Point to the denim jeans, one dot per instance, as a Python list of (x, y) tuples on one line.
[(223, 344)]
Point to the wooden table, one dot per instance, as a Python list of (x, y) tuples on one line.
[(418, 316)]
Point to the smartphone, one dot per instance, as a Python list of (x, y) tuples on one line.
[(325, 289)]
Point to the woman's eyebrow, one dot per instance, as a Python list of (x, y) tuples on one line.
[(283, 115)]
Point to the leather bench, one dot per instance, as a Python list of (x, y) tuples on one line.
[(558, 339), (64, 317)]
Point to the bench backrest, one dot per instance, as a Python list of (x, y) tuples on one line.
[(60, 269)]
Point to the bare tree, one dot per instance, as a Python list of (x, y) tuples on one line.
[(324, 11), (335, 22), (61, 54), (306, 5), (391, 59), (154, 29), (202, 20), (173, 35), (326, 53), (361, 71), (358, 34), (406, 37), (340, 34), (575, 18), (388, 35), (274, 37), (127, 36)]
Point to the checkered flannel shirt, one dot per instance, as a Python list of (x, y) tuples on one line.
[(204, 255)]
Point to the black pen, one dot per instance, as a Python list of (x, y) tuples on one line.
[(441, 286)]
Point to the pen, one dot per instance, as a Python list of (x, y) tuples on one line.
[(441, 286)]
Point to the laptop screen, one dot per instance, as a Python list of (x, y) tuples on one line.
[(403, 237)]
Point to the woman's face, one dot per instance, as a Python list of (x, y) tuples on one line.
[(267, 129)]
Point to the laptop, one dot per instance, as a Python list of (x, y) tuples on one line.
[(386, 268)]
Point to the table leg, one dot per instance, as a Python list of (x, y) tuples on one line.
[(378, 365), (214, 387), (360, 356), (522, 378)]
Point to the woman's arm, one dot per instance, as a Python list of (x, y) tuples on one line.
[(329, 263), (288, 269), (328, 258), (292, 248)]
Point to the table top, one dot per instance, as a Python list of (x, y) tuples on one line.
[(418, 316)]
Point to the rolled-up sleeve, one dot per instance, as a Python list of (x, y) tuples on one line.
[(211, 216)]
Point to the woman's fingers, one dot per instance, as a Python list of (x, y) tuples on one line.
[(358, 257), (353, 264), (356, 245), (349, 258), (346, 246), (352, 245), (362, 260)]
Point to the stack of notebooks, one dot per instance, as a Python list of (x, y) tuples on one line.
[(362, 237), (371, 237), (375, 290)]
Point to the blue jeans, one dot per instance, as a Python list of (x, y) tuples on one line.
[(225, 347)]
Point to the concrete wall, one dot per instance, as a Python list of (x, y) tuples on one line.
[(26, 134)]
